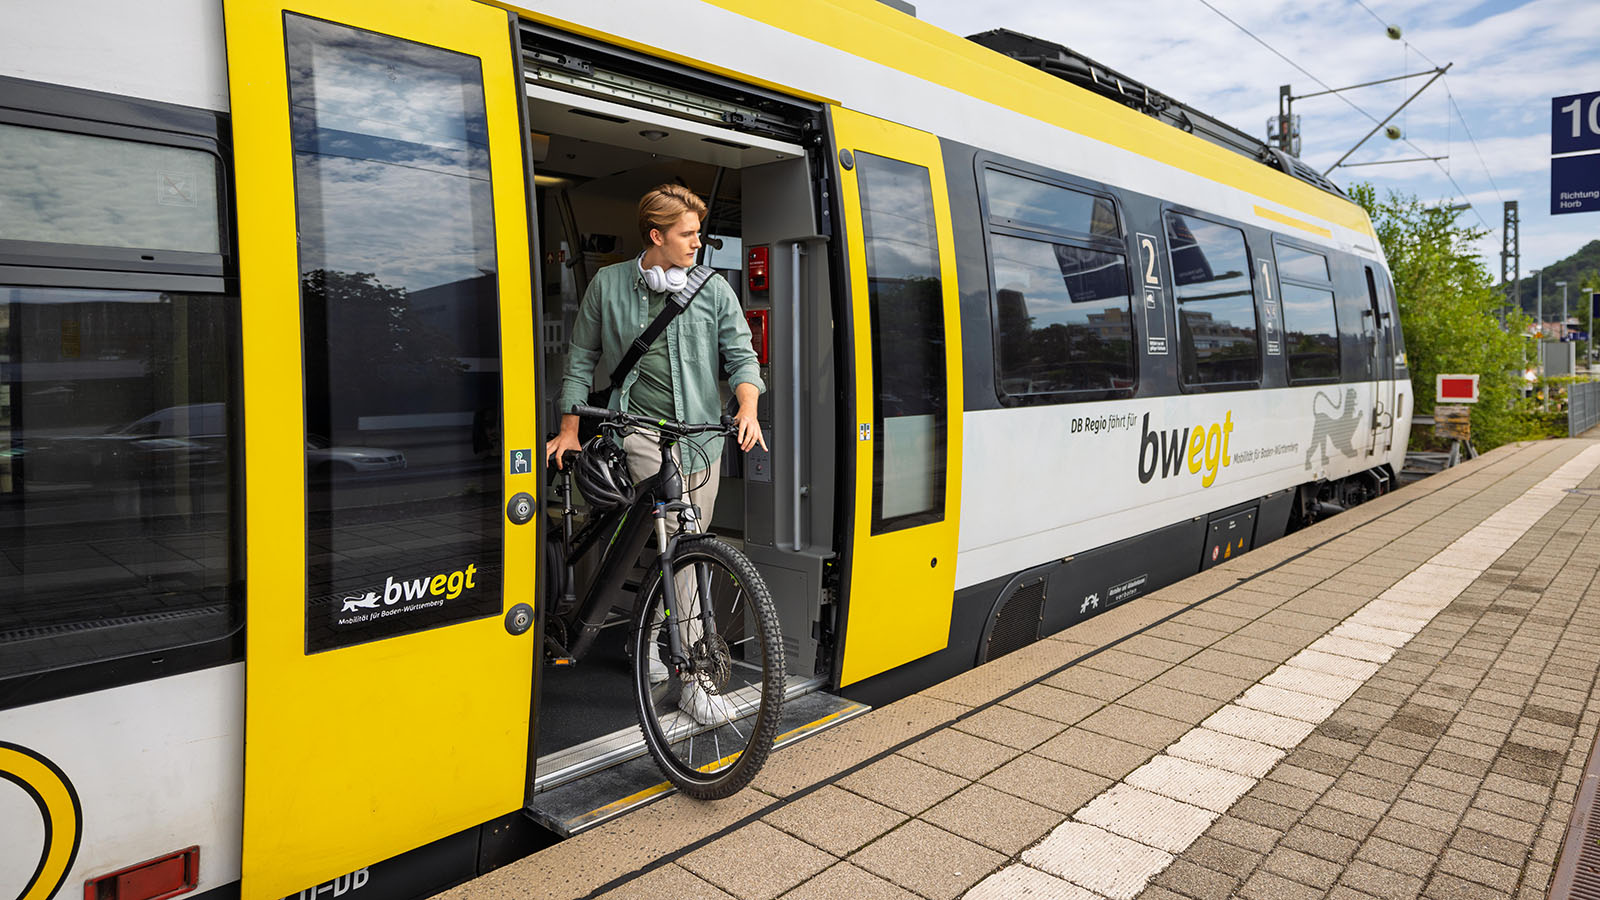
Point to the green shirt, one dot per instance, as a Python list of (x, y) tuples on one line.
[(616, 309)]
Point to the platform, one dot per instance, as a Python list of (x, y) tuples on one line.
[(1396, 702)]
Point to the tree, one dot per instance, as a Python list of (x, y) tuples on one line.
[(1450, 314)]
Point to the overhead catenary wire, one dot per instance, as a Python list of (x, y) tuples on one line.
[(1347, 101)]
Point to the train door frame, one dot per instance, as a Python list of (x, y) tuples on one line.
[(619, 91), (351, 757)]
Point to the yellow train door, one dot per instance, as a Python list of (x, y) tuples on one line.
[(907, 434), (388, 392)]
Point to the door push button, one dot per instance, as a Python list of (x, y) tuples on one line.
[(520, 509), (519, 619)]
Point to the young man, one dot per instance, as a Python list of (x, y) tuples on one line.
[(677, 377)]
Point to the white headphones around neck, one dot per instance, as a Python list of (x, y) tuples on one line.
[(670, 280)]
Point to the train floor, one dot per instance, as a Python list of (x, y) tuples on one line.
[(1399, 701)]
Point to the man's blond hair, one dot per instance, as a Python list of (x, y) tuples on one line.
[(664, 205)]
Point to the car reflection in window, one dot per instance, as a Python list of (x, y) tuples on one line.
[(324, 458)]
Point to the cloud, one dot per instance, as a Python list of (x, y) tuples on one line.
[(1508, 64)]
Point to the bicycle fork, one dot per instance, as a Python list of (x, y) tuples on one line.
[(689, 527)]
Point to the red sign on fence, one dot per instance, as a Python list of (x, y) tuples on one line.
[(1456, 388)]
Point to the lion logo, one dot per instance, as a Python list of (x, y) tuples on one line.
[(1339, 431), (370, 601)]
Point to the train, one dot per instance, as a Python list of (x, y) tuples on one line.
[(285, 290)]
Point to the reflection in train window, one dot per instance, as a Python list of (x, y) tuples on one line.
[(1310, 333), (1061, 319), (66, 188), (1218, 337), (906, 296), (1310, 323), (1025, 203), (116, 474), (399, 293)]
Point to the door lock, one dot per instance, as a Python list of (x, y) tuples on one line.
[(519, 618), (520, 509)]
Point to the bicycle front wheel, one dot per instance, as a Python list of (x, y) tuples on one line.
[(709, 718)]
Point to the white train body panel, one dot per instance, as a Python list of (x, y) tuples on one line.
[(158, 766)]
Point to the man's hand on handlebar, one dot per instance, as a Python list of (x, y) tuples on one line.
[(564, 442)]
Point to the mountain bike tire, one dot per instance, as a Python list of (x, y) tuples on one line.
[(717, 755)]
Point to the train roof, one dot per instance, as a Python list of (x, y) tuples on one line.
[(1078, 69)]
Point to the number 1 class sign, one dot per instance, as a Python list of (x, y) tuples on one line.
[(1575, 153)]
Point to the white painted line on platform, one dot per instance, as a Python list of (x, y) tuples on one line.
[(1024, 883), (1227, 752), (1127, 835), (1098, 860), (1194, 783)]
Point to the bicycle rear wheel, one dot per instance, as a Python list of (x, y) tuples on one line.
[(710, 723)]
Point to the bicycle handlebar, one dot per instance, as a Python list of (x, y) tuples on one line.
[(617, 417)]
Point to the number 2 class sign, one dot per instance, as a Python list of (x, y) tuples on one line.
[(1575, 153)]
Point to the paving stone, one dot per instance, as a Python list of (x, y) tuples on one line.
[(1047, 702), (1146, 817), (1092, 681), (1047, 783), (1258, 726), (1264, 885), (1135, 726), (1490, 846), (1380, 882), (1226, 751), (1196, 881), (667, 881), (1444, 886), (785, 861), (1478, 870), (928, 860), (1104, 863), (835, 820), (960, 753), (902, 784), (1095, 753), (844, 880), (1193, 680), (1334, 848), (1302, 867), (995, 819), (1397, 857), (1190, 782), (1011, 727), (1023, 883), (1182, 706)]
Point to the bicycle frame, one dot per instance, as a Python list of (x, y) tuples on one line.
[(630, 529)]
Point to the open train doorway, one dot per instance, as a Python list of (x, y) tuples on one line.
[(604, 129)]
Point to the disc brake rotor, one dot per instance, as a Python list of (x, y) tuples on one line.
[(713, 662)]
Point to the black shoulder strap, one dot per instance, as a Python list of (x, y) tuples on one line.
[(677, 303)]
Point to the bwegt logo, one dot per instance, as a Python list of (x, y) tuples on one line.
[(448, 584), (1207, 449)]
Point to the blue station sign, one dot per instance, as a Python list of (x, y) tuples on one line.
[(1575, 153)]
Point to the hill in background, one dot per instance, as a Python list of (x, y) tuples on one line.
[(1571, 270)]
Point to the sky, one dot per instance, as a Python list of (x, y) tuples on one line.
[(1509, 59)]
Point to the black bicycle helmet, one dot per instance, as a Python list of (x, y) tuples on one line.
[(602, 474)]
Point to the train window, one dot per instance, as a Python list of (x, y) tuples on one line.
[(67, 188), (402, 347), (116, 476), (1310, 325), (906, 297), (1025, 203), (1301, 265), (1218, 336), (1311, 334), (1062, 318)]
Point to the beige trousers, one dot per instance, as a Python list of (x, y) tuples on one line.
[(644, 460)]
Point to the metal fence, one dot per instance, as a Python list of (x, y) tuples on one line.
[(1583, 407)]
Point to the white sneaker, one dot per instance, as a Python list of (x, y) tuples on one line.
[(704, 707), (658, 669)]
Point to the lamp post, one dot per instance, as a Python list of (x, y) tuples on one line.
[(1563, 332)]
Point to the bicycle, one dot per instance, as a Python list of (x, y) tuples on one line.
[(724, 641)]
